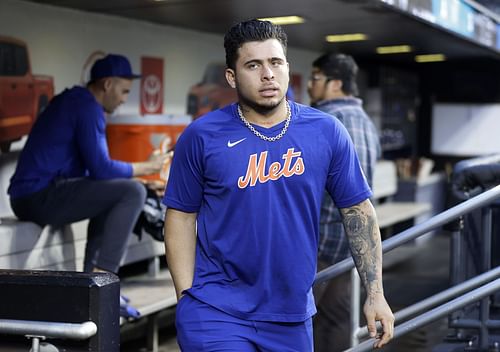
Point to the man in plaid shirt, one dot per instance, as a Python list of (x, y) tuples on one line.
[(332, 88)]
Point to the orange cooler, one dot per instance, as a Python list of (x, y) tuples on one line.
[(133, 138)]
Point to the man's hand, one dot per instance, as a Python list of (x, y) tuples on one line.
[(377, 309), (157, 159), (152, 166)]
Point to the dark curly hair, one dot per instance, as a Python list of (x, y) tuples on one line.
[(341, 67), (250, 31)]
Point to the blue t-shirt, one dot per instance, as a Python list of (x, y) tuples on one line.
[(258, 206), (68, 140)]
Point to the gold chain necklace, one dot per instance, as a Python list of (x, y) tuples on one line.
[(260, 135)]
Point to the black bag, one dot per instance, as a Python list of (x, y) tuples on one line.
[(152, 217)]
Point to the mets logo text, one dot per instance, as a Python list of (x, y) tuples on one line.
[(256, 171)]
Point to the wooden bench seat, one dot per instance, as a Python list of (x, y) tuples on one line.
[(391, 213), (28, 246), (385, 187)]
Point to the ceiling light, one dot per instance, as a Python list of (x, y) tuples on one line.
[(395, 49), (284, 20), (430, 58), (335, 38)]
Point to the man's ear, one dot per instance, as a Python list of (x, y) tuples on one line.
[(335, 85), (230, 77), (107, 83)]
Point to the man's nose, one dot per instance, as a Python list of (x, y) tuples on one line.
[(267, 72)]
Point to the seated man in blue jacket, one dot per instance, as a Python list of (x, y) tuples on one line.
[(65, 174)]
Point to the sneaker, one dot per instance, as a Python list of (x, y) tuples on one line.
[(124, 298), (126, 310)]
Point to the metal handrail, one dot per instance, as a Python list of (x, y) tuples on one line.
[(412, 233), (439, 298), (434, 314), (45, 329), (477, 202), (484, 160)]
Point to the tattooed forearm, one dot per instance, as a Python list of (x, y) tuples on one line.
[(364, 238)]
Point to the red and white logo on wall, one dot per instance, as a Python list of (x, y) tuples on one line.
[(151, 85)]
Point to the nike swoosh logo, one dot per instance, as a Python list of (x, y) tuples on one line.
[(232, 144)]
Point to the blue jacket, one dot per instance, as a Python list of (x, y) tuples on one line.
[(68, 140)]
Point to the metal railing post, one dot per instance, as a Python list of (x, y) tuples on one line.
[(35, 343), (456, 263), (484, 307), (355, 306), (456, 251)]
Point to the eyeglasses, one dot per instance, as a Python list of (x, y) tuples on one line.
[(317, 78)]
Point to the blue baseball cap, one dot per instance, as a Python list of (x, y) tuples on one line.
[(112, 65)]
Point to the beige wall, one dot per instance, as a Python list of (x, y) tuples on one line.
[(60, 40)]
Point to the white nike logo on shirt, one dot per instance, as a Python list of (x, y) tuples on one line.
[(232, 144)]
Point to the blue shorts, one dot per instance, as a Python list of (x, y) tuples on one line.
[(203, 328)]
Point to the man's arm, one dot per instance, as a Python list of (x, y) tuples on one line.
[(362, 230), (180, 246)]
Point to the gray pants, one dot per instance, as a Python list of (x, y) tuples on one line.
[(332, 323), (112, 206)]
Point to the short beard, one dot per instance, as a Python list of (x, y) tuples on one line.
[(258, 108)]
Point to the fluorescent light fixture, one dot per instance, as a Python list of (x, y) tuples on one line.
[(353, 37), (430, 58), (395, 49), (284, 20)]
